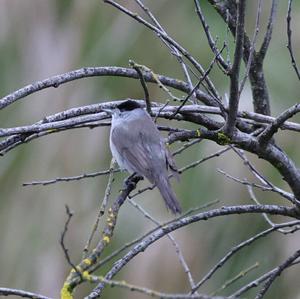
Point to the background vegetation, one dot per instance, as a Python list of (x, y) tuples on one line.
[(39, 39)]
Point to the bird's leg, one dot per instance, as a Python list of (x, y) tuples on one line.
[(132, 179)]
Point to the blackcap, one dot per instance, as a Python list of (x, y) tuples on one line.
[(138, 147)]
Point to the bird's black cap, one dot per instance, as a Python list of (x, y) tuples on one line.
[(128, 105)]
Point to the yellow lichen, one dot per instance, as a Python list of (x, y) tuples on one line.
[(106, 239), (65, 292), (87, 261), (86, 275)]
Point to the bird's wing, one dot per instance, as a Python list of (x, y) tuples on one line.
[(140, 147)]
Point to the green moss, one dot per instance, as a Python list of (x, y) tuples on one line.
[(223, 139)]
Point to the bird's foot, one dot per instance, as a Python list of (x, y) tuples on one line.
[(131, 180)]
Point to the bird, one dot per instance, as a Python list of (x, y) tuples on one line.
[(138, 147)]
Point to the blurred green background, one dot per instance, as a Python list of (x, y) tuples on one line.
[(39, 39)]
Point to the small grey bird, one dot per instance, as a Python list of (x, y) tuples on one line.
[(138, 147)]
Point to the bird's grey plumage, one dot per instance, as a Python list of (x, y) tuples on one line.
[(138, 147)]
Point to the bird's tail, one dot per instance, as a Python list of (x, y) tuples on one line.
[(168, 194)]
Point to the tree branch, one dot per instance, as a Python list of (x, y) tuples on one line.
[(86, 72), (266, 42), (181, 222), (235, 70), (272, 128), (21, 293), (277, 273), (289, 36)]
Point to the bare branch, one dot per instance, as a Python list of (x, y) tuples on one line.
[(56, 81), (62, 242), (147, 291), (102, 208), (173, 242), (256, 282), (210, 40), (289, 36), (265, 45), (177, 223), (252, 47), (235, 70), (69, 179), (129, 185), (267, 218), (235, 278), (185, 168), (172, 42), (261, 178), (199, 83), (240, 246), (261, 187), (137, 240), (173, 49), (277, 273), (137, 67), (21, 293), (271, 129)]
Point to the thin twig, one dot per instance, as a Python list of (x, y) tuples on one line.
[(173, 50), (206, 73), (266, 217), (272, 128), (166, 37), (147, 291), (252, 47), (234, 279), (173, 242), (181, 222), (70, 178), (101, 210), (62, 242), (85, 265), (266, 42), (210, 40), (57, 80), (260, 177), (139, 239), (261, 187), (160, 110), (255, 283), (277, 273), (138, 69), (185, 146), (185, 168), (240, 246), (289, 36), (20, 293)]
